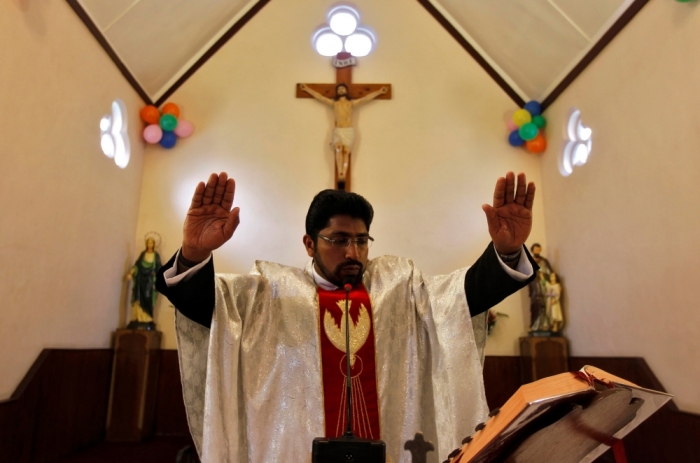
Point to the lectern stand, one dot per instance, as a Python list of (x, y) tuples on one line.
[(132, 395)]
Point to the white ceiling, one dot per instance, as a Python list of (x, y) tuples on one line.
[(158, 40), (532, 44)]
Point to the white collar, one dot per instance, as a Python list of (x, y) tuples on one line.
[(320, 281)]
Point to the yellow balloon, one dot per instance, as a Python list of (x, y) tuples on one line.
[(521, 117)]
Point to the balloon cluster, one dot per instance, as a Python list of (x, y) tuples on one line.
[(163, 126), (526, 128)]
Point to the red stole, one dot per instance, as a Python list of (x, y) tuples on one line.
[(365, 401)]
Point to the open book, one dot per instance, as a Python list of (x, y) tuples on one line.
[(567, 418)]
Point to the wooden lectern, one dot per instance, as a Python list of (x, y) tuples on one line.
[(132, 396), (566, 418)]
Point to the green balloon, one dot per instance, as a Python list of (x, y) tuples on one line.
[(528, 131), (539, 121), (168, 122)]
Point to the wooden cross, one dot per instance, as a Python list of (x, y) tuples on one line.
[(358, 93), (419, 448)]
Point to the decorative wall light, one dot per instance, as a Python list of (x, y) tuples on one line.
[(578, 148), (114, 138), (343, 33)]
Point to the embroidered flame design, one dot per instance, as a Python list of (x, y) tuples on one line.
[(359, 332)]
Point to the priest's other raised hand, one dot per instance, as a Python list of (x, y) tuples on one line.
[(510, 217), (210, 221)]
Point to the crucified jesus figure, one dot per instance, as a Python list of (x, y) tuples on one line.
[(343, 133)]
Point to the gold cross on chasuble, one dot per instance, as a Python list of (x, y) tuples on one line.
[(363, 371), (332, 95)]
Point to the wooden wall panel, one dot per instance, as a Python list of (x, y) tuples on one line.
[(60, 406), (171, 419), (501, 378)]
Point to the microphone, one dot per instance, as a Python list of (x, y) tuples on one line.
[(348, 447), (347, 284)]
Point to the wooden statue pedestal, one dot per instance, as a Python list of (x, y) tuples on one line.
[(132, 396), (542, 356)]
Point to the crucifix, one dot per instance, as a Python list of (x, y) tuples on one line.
[(343, 96), (419, 448)]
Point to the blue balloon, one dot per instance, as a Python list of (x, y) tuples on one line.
[(169, 139), (533, 107), (514, 138)]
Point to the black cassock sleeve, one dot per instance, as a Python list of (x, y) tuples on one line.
[(487, 284), (194, 298)]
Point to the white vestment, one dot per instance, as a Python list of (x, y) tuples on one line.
[(252, 382)]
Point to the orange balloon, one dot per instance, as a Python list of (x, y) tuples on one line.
[(171, 108), (150, 114), (537, 144)]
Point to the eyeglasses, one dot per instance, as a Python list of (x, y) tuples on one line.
[(362, 242)]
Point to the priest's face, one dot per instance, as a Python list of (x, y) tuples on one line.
[(333, 262)]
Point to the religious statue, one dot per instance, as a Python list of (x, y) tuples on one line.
[(542, 261), (554, 312), (343, 133), (537, 290), (143, 274), (538, 303)]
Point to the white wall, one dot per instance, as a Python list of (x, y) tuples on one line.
[(427, 159), (623, 229), (67, 213)]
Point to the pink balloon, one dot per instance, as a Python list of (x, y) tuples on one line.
[(184, 129), (152, 134), (511, 126)]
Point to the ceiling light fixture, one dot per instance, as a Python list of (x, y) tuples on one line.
[(343, 32)]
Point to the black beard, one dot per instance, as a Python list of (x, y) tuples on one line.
[(337, 97), (336, 278)]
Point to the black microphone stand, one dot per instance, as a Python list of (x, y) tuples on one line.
[(347, 448)]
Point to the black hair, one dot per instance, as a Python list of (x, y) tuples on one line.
[(347, 92), (328, 203), (534, 245)]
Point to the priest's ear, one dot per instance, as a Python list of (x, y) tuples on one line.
[(309, 245)]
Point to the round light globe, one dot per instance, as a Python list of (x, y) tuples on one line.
[(118, 113), (359, 44), (580, 155), (105, 123), (121, 152), (107, 144), (584, 133), (328, 44), (343, 22)]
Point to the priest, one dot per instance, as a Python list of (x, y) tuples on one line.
[(262, 355)]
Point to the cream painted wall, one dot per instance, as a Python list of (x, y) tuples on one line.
[(67, 213), (623, 229), (426, 160)]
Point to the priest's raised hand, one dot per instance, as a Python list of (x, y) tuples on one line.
[(510, 217), (210, 221)]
